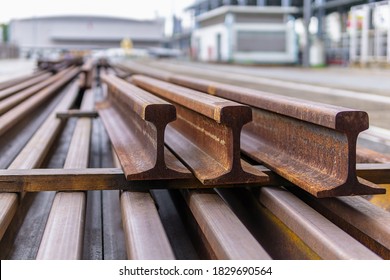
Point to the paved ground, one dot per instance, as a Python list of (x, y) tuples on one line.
[(363, 80), (12, 68)]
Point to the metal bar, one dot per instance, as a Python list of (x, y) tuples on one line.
[(35, 180), (24, 84), (206, 134), (144, 232), (14, 100), (74, 113), (365, 155), (276, 238), (135, 121), (300, 133), (33, 155), (364, 221), (64, 231), (292, 137), (18, 80), (9, 119), (226, 236), (87, 69), (325, 238)]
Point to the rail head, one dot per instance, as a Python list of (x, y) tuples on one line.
[(148, 106), (136, 121), (206, 134), (314, 142), (335, 117), (218, 109)]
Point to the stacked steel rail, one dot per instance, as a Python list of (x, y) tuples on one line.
[(186, 190)]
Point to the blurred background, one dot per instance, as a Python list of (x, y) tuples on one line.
[(283, 32)]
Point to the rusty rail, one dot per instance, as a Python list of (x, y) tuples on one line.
[(9, 91), (300, 140), (33, 155), (87, 179), (224, 223), (12, 101), (88, 70), (206, 135), (135, 121), (19, 80), (364, 221), (14, 115)]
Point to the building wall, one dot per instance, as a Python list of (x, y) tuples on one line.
[(205, 44), (251, 38), (84, 32)]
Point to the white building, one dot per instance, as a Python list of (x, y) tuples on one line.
[(84, 32), (246, 34)]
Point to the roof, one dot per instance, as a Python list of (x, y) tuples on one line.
[(247, 9), (89, 17)]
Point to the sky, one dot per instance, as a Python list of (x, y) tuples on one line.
[(135, 9)]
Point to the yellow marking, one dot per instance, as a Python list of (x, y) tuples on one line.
[(211, 90)]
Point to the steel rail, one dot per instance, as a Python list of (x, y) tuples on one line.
[(13, 116), (12, 101), (223, 234), (279, 240), (300, 140), (135, 121), (13, 82), (87, 69), (36, 180), (74, 113), (33, 155), (22, 85), (64, 231), (206, 134), (144, 233), (363, 220), (320, 234)]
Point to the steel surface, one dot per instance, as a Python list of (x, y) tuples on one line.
[(310, 144), (206, 134), (135, 121)]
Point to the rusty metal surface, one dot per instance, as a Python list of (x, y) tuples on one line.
[(224, 233), (364, 221), (300, 140), (17, 113), (206, 134), (75, 113), (18, 80), (305, 142), (278, 240), (88, 70), (135, 121), (365, 155), (22, 85), (320, 234)]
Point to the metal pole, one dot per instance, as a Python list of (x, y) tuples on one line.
[(306, 18), (388, 36), (365, 35), (353, 39)]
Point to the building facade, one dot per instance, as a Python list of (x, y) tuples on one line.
[(246, 34), (84, 32)]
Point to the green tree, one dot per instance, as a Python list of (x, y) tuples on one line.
[(5, 32)]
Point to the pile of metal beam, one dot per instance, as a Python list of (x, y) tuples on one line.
[(103, 162)]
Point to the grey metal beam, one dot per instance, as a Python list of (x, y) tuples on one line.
[(306, 19)]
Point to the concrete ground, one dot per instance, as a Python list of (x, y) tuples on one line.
[(12, 68)]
